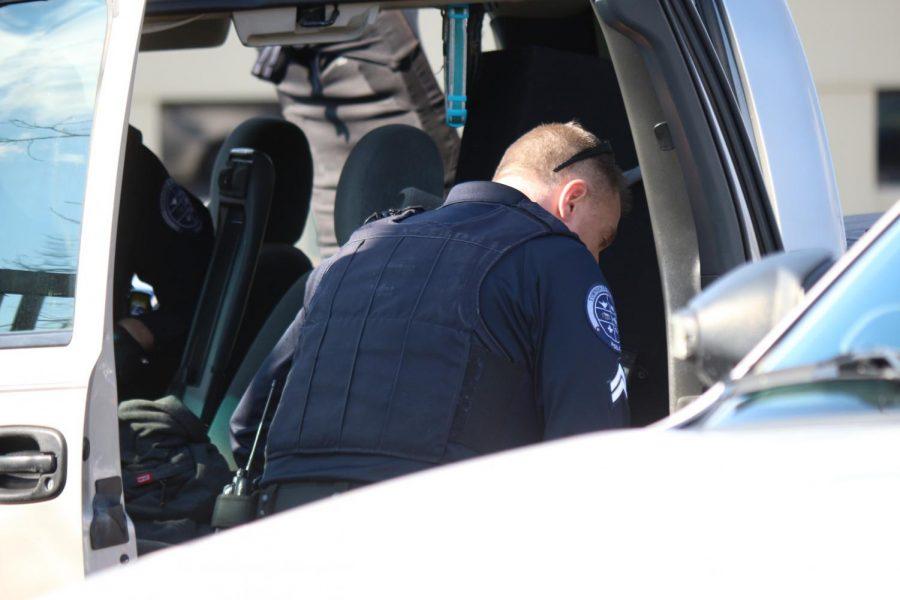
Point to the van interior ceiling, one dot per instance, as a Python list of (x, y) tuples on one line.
[(552, 64)]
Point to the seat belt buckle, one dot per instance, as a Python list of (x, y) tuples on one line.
[(234, 179)]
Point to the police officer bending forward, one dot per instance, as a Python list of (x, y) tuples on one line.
[(433, 337)]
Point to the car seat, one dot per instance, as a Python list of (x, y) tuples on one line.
[(254, 261), (384, 163), (395, 166), (517, 89), (280, 262)]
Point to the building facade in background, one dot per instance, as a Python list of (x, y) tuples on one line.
[(854, 53)]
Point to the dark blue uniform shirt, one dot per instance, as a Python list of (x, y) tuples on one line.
[(547, 307)]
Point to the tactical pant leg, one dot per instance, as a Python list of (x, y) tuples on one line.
[(381, 79)]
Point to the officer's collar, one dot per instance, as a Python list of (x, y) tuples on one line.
[(485, 191)]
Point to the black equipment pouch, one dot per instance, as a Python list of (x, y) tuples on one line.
[(271, 64), (232, 509), (170, 470)]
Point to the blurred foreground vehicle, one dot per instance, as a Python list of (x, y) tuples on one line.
[(779, 482)]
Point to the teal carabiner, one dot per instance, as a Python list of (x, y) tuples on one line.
[(456, 19)]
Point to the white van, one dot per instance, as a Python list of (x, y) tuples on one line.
[(722, 121)]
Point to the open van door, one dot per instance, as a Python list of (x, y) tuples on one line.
[(774, 91), (729, 137), (65, 83)]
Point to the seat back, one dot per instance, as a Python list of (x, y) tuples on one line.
[(381, 166), (276, 324), (243, 195), (378, 175), (280, 261), (248, 277), (512, 93)]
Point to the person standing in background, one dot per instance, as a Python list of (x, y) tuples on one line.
[(338, 92)]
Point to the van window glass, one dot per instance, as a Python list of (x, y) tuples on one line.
[(889, 137), (50, 54)]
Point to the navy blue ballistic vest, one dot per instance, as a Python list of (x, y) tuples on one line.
[(389, 361)]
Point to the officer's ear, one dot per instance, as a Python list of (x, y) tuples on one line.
[(571, 197)]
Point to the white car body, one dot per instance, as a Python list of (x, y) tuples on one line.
[(778, 514), (796, 507)]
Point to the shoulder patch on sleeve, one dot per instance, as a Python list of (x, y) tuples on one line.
[(177, 210), (601, 312)]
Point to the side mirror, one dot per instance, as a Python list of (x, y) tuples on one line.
[(726, 320)]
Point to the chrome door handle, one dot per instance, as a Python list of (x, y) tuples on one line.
[(32, 464), (22, 463)]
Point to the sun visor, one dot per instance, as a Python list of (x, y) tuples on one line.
[(177, 33), (295, 25)]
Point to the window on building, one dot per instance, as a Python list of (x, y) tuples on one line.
[(193, 133), (889, 137)]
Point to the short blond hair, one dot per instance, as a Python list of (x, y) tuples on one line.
[(537, 153)]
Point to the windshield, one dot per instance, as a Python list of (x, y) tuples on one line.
[(859, 313), (50, 55), (808, 402)]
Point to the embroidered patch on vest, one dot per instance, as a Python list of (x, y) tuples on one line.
[(601, 313), (177, 210)]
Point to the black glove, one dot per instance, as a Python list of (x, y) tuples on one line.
[(133, 366)]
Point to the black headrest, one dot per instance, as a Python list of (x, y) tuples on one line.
[(510, 96), (144, 175), (150, 194), (143, 178), (385, 162), (156, 211), (288, 149)]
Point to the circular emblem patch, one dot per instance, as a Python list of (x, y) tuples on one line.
[(601, 313), (177, 210)]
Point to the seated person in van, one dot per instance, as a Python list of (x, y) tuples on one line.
[(436, 336), (165, 237)]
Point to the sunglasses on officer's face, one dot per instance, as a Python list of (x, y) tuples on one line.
[(603, 148)]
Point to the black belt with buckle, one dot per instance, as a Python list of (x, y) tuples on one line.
[(279, 497)]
